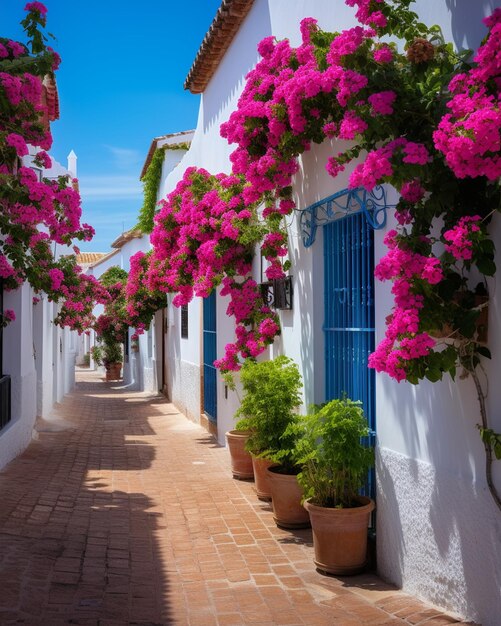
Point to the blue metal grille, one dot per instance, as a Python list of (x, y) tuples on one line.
[(210, 355), (349, 314)]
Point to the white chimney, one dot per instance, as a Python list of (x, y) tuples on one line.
[(72, 164)]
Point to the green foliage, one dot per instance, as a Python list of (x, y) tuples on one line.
[(271, 395), (112, 353), (493, 440), (151, 182), (97, 354), (112, 326), (86, 359), (335, 461), (113, 275)]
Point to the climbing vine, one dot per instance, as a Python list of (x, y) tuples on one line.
[(151, 182)]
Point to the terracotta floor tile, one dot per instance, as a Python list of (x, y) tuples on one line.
[(130, 516)]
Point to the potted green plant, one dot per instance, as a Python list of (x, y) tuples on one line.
[(286, 492), (112, 359), (236, 439), (97, 354), (335, 467), (271, 395)]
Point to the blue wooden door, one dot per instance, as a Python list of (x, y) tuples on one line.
[(349, 314), (210, 355)]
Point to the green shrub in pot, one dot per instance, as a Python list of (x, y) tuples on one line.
[(334, 459), (271, 396), (335, 466)]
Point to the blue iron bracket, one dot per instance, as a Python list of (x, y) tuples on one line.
[(341, 204)]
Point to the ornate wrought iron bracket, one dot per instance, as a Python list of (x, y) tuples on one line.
[(278, 293), (343, 203)]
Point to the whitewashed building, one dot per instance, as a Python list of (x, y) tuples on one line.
[(37, 356), (438, 530), (144, 369)]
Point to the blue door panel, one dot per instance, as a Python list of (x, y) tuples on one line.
[(210, 355), (349, 314)]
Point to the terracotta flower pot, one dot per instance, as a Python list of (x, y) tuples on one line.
[(113, 371), (241, 460), (340, 537), (263, 488), (286, 495)]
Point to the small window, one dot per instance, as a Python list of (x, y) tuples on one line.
[(184, 321)]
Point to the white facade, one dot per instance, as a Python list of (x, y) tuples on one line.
[(438, 531), (37, 355)]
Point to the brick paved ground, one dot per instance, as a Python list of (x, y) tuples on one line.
[(124, 512)]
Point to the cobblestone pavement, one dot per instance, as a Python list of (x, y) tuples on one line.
[(124, 512)]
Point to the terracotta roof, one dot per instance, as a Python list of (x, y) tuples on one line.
[(104, 258), (122, 239), (225, 25), (154, 144), (86, 258)]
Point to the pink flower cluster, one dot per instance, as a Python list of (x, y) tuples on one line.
[(203, 236), (37, 213), (7, 317), (11, 49), (256, 325), (141, 304), (470, 135), (412, 191), (403, 340), (79, 293), (382, 102), (378, 165), (275, 104), (461, 238), (36, 7), (366, 13), (383, 54)]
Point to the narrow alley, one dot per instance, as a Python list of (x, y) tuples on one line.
[(124, 512)]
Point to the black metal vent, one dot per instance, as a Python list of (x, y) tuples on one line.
[(278, 293), (5, 402), (184, 321)]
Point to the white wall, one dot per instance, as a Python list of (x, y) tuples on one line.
[(19, 363), (183, 359), (438, 529), (43, 313)]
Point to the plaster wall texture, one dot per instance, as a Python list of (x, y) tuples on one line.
[(184, 387), (19, 364), (43, 347), (431, 481), (58, 365), (439, 536)]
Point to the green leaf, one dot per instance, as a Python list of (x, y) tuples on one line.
[(433, 375), (484, 352), (486, 265)]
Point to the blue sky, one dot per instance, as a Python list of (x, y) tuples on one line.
[(120, 84)]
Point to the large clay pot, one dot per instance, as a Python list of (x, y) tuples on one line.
[(241, 460), (113, 371), (286, 495), (340, 537), (263, 488)]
